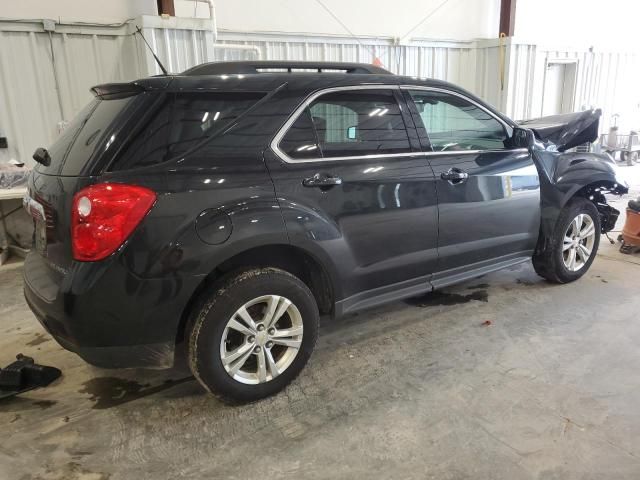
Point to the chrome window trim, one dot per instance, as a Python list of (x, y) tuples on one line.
[(296, 113), (287, 159), (458, 152)]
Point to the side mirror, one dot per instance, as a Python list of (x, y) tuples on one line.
[(522, 138)]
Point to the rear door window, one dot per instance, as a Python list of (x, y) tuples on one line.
[(180, 123), (82, 138), (301, 142)]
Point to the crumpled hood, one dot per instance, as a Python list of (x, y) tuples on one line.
[(567, 130)]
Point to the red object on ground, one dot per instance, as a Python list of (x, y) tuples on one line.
[(486, 323), (631, 229)]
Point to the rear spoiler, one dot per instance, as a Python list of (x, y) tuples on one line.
[(116, 89), (109, 91), (567, 130)]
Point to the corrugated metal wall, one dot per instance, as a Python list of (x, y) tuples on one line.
[(180, 43), (45, 79), (446, 60), (606, 80), (31, 106)]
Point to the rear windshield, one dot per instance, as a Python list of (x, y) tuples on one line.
[(83, 136), (180, 123)]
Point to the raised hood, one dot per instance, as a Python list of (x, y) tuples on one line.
[(567, 130)]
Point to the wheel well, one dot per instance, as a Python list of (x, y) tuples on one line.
[(595, 193), (291, 259)]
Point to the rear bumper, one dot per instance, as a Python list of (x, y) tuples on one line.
[(159, 355), (107, 316)]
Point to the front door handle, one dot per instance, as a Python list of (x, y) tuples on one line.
[(454, 176), (322, 180)]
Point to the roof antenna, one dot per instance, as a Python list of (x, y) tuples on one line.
[(139, 32)]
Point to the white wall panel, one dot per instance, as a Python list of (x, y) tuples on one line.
[(83, 56), (31, 107), (605, 80), (585, 23), (452, 61), (87, 55)]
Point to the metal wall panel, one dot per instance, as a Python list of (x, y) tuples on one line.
[(509, 76), (605, 80), (178, 49), (33, 104), (472, 65), (442, 60)]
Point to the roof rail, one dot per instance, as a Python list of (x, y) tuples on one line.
[(221, 68)]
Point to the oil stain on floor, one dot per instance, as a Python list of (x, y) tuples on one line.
[(44, 404), (480, 285), (108, 392), (443, 298), (38, 339)]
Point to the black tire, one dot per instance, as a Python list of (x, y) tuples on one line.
[(216, 308), (548, 262), (623, 157), (629, 157)]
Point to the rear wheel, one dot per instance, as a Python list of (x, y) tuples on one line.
[(629, 157), (572, 247), (253, 334)]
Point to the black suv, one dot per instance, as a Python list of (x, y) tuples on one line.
[(226, 208)]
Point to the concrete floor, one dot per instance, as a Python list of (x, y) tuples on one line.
[(417, 389)]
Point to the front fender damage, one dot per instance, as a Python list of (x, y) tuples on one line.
[(567, 175)]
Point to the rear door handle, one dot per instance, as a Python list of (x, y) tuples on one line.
[(454, 176), (322, 180)]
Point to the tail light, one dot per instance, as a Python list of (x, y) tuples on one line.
[(104, 215)]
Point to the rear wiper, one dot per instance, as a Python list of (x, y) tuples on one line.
[(42, 156)]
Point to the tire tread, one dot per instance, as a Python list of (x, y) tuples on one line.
[(207, 301), (548, 263)]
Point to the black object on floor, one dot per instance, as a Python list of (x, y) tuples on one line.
[(24, 374)]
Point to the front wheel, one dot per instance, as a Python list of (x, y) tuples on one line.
[(571, 248), (253, 334)]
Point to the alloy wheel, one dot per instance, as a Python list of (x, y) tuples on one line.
[(577, 245), (261, 339)]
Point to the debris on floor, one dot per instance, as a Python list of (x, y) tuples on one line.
[(23, 375)]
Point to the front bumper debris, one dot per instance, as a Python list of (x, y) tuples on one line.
[(608, 217)]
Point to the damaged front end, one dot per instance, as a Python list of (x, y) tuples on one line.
[(608, 214), (566, 174), (567, 130), (608, 217)]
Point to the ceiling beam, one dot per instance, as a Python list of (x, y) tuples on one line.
[(166, 7), (507, 17)]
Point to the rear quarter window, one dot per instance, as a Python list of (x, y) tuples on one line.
[(181, 122), (82, 138)]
